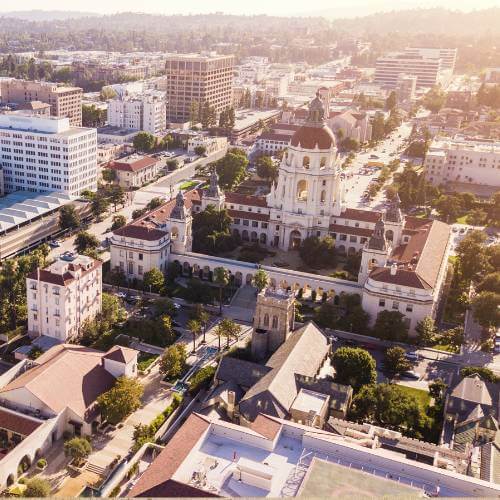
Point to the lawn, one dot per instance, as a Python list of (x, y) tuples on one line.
[(445, 347), (423, 396), (462, 220), (188, 185)]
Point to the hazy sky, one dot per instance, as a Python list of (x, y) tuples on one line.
[(273, 7)]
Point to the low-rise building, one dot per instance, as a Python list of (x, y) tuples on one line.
[(211, 144), (353, 124), (42, 399), (63, 296), (464, 164), (135, 170)]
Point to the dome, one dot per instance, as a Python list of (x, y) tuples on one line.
[(315, 133), (308, 137)]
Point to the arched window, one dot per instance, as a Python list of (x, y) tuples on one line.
[(275, 322), (306, 162), (266, 319), (322, 198), (302, 190), (373, 263), (174, 233), (389, 234), (322, 162)]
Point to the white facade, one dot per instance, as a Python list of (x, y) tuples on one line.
[(462, 160), (61, 297), (145, 112), (211, 144), (353, 125), (41, 153), (388, 69), (448, 56)]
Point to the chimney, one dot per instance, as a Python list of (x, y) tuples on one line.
[(231, 401), (394, 269)]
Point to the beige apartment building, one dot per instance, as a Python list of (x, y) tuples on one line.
[(200, 78), (65, 102), (63, 296)]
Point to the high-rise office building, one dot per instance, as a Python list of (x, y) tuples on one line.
[(197, 78), (65, 102), (448, 56), (40, 153)]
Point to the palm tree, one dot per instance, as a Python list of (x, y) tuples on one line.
[(260, 280), (194, 327), (229, 329), (202, 317), (221, 277)]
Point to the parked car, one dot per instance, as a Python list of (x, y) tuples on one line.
[(412, 356), (411, 375), (54, 243)]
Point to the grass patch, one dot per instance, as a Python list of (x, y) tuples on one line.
[(145, 360), (462, 220), (187, 185), (422, 396), (445, 347)]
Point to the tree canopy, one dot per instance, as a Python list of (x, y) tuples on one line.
[(121, 400), (354, 366), (231, 168)]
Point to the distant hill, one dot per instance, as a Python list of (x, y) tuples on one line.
[(46, 15), (436, 21)]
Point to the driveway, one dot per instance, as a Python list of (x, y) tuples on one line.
[(156, 398)]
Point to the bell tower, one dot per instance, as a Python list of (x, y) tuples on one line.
[(273, 321), (375, 252), (180, 225), (213, 195)]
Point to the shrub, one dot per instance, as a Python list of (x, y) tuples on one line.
[(78, 449), (313, 295), (41, 463), (37, 487), (201, 379)]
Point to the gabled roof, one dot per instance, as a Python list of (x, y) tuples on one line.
[(65, 376), (474, 390), (361, 215), (243, 199), (244, 373), (132, 164), (121, 354), (17, 423), (302, 353)]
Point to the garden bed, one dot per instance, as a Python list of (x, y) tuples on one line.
[(145, 360)]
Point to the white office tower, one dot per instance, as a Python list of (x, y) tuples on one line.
[(45, 153)]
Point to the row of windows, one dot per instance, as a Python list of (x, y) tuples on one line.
[(395, 305)]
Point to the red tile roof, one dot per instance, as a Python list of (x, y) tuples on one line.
[(358, 231), (17, 423), (312, 137), (266, 426), (361, 215), (243, 199), (133, 165), (146, 227), (155, 481), (121, 354), (403, 277), (47, 276), (241, 214)]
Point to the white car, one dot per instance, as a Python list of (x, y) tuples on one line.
[(177, 306)]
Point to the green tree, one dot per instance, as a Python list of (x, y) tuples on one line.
[(454, 337), (168, 332), (434, 100), (450, 207), (37, 487), (354, 366), (201, 315), (391, 325), (221, 278), (99, 205), (154, 203), (426, 331), (121, 400), (472, 258), (260, 280), (490, 283), (349, 144), (266, 168), (485, 373), (389, 406), (318, 252), (173, 361), (108, 175), (85, 241), (194, 327), (172, 164), (212, 231), (154, 279), (486, 309), (163, 305), (395, 360), (116, 195), (93, 116), (144, 141), (229, 329), (477, 217), (68, 217), (118, 222), (231, 169), (437, 390), (78, 449)]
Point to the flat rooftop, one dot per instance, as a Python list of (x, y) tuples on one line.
[(24, 206), (324, 477), (309, 401)]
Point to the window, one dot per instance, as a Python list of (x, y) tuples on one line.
[(395, 305), (255, 223), (266, 319), (141, 257), (306, 162), (409, 308), (131, 255), (140, 270), (343, 237), (353, 239), (245, 222), (131, 268), (275, 322), (236, 221), (302, 190), (263, 225), (322, 198), (381, 303), (322, 163)]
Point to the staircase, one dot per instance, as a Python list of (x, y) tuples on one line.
[(96, 469)]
